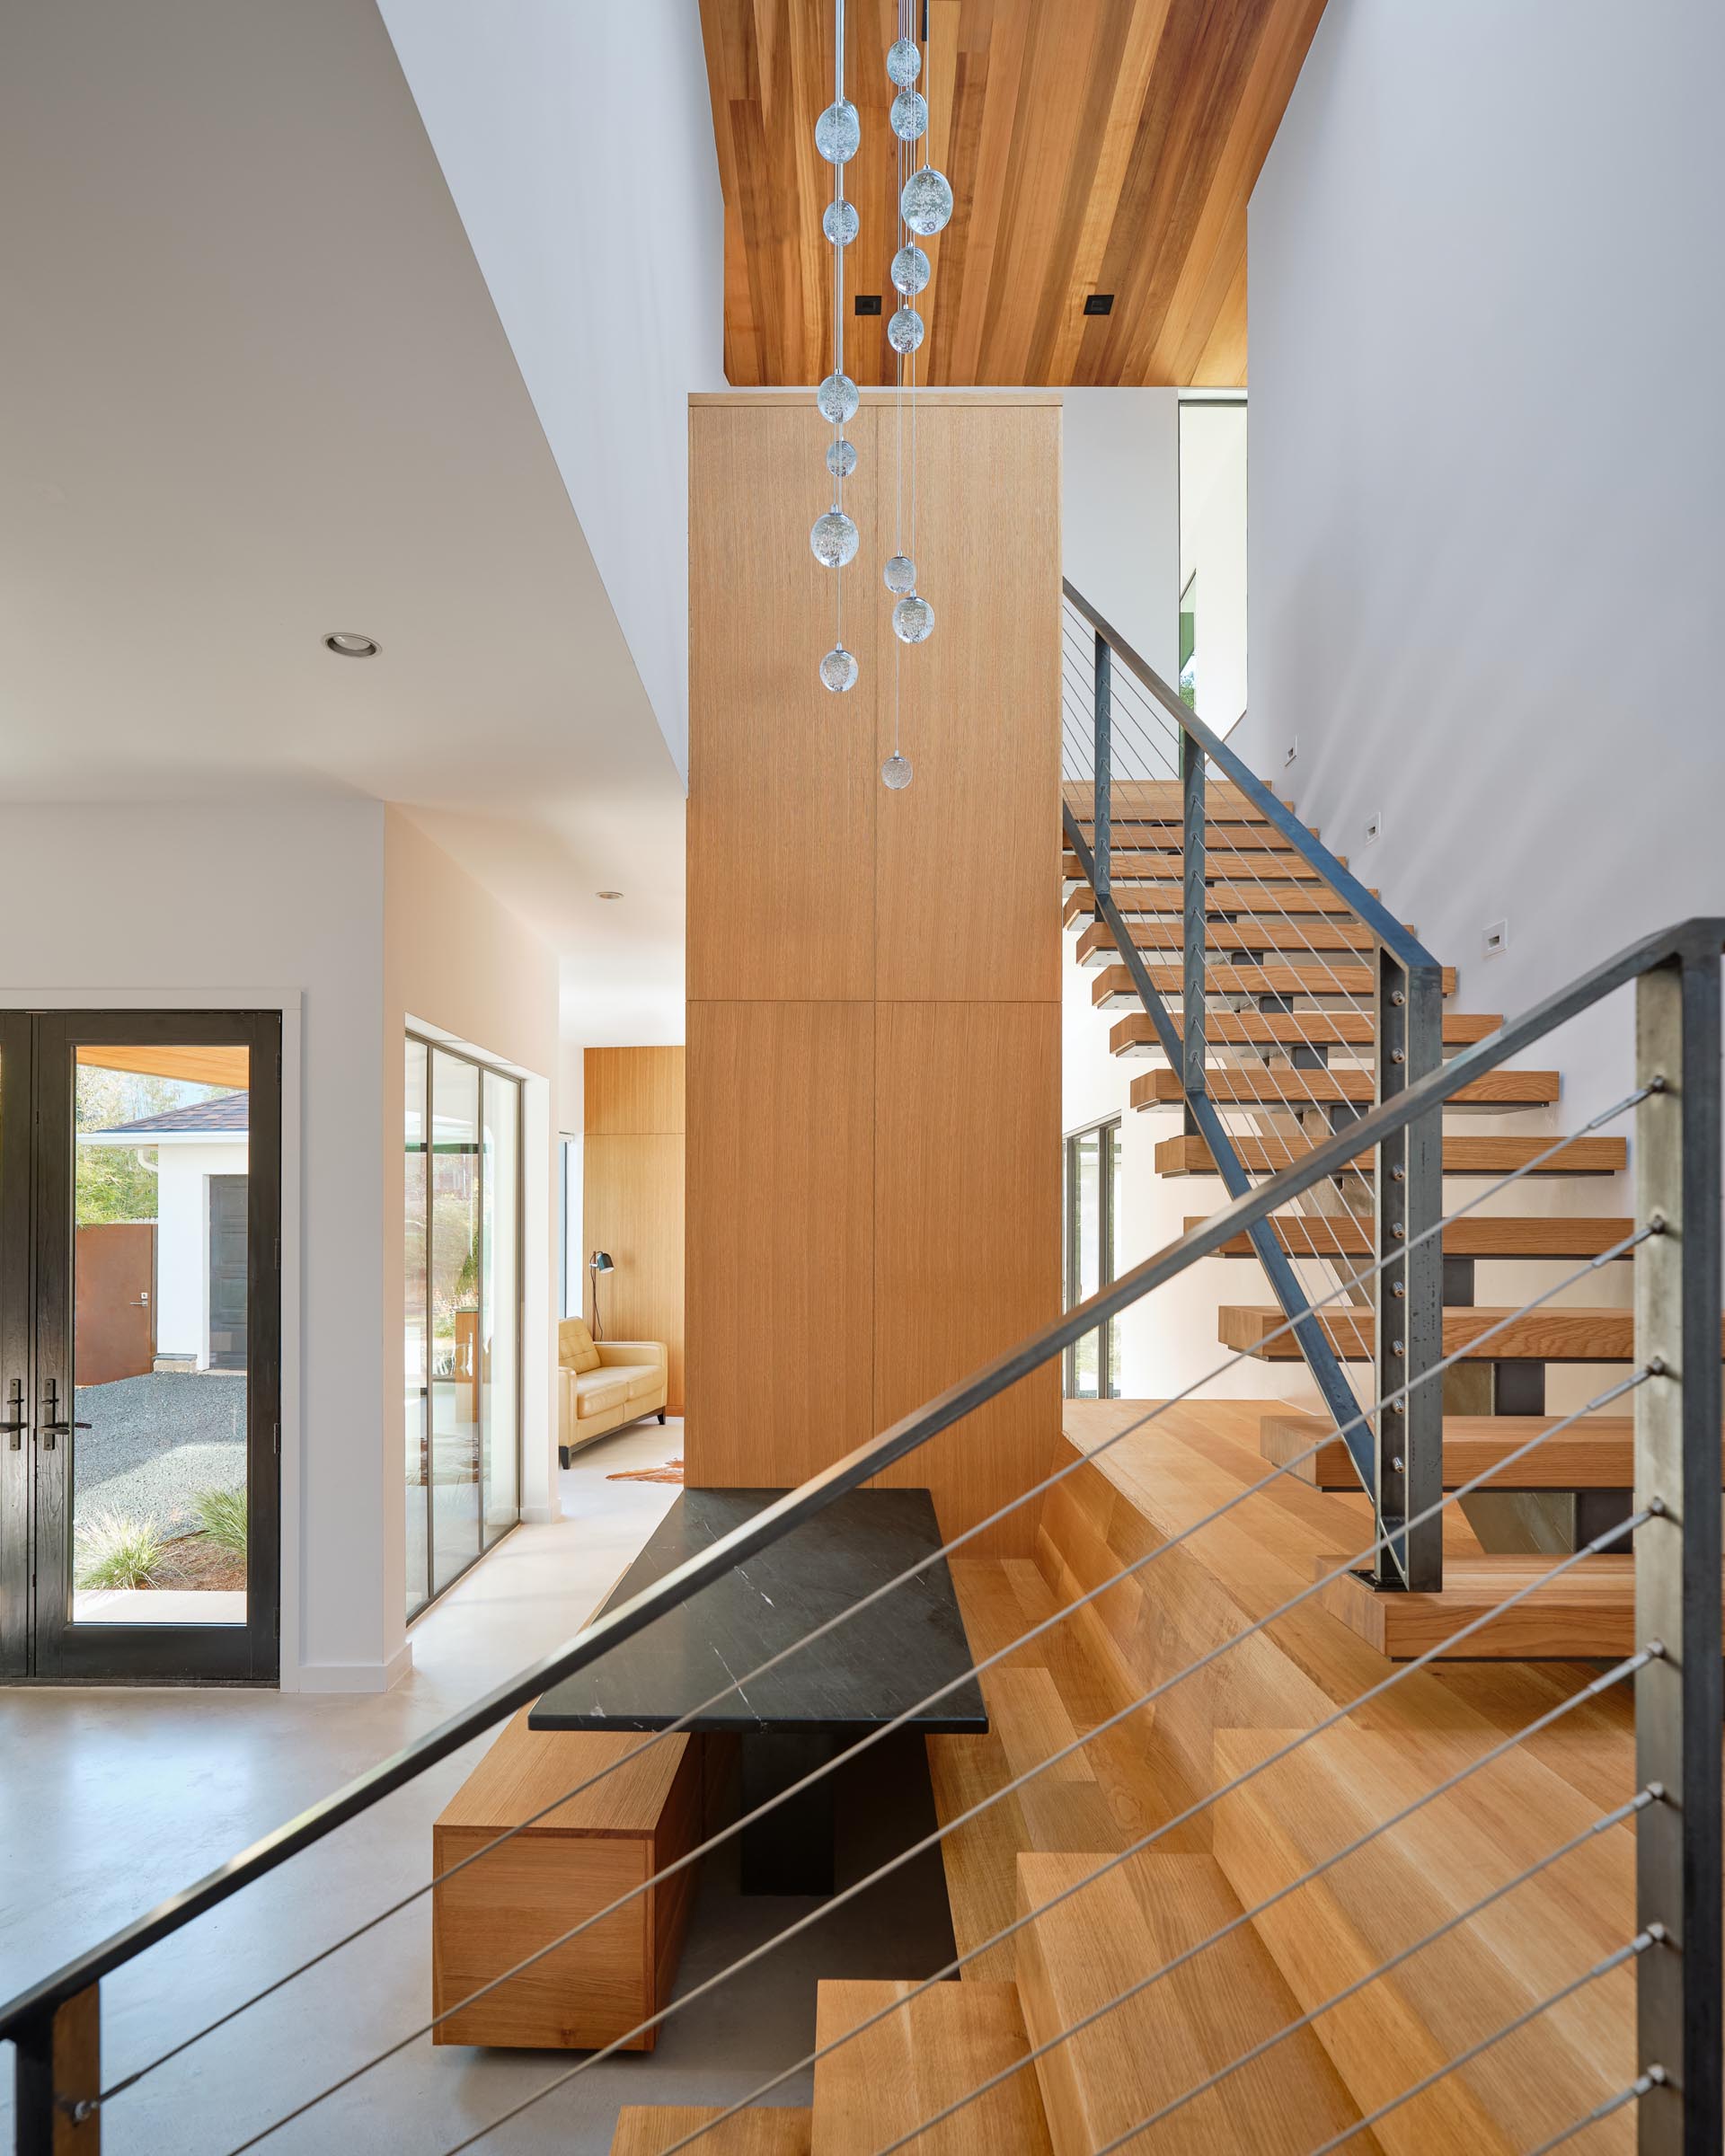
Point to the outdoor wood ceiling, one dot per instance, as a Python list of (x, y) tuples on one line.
[(1094, 146)]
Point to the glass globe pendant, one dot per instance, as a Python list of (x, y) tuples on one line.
[(905, 330), (904, 61), (841, 458), (926, 203), (838, 132), (834, 539), (900, 574), (838, 399), (840, 223), (913, 619), (909, 116), (911, 271), (895, 772), (838, 669)]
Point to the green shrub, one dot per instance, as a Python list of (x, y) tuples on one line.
[(222, 1513), (116, 1551)]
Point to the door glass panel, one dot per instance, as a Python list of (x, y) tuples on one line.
[(1085, 1198), (454, 1315), (500, 1301), (413, 1257), (160, 1354)]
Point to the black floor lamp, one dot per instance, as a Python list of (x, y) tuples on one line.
[(599, 1262)]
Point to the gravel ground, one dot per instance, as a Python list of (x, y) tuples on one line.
[(156, 1442)]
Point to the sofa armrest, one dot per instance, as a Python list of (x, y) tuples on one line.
[(633, 1351)]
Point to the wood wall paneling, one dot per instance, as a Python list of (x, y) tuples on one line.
[(967, 1240), (782, 778), (633, 1197), (1101, 145), (967, 856), (781, 1238)]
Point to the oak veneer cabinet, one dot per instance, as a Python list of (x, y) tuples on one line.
[(575, 1861)]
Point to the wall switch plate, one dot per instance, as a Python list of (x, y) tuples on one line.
[(1292, 750), (1374, 825), (1496, 938)]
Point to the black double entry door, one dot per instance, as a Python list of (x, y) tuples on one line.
[(140, 1358)]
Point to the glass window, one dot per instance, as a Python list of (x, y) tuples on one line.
[(500, 1301), (419, 1529), (1092, 1192)]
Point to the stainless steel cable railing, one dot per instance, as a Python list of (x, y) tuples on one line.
[(1673, 1529)]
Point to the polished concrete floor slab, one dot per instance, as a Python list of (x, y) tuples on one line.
[(113, 1799)]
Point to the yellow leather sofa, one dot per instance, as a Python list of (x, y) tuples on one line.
[(602, 1385)]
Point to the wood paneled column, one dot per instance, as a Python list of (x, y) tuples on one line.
[(873, 1110)]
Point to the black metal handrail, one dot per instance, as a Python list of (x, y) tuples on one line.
[(1689, 942), (1398, 1457)]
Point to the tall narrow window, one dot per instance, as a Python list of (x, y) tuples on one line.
[(1092, 1188), (462, 1314)]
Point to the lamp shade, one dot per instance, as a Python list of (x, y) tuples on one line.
[(600, 1262)]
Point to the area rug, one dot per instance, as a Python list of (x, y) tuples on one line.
[(672, 1472)]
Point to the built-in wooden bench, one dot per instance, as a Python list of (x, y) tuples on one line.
[(575, 1861)]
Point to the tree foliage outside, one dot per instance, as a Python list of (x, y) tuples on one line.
[(117, 1182)]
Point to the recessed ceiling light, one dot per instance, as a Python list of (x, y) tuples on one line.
[(1099, 303), (346, 644), (610, 894), (868, 303)]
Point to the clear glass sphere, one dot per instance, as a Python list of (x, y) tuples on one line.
[(838, 132), (841, 458), (913, 619), (911, 271), (926, 202), (834, 538), (840, 223), (909, 116), (838, 669), (895, 772), (905, 330), (900, 573), (837, 399), (904, 61)]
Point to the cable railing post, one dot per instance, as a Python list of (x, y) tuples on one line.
[(1407, 1294), (1678, 1695), (57, 2076), (1192, 1006), (1101, 881)]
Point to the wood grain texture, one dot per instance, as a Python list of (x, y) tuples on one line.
[(1129, 865), (1588, 1610), (1461, 1157), (783, 774), (1170, 898), (649, 2129), (780, 1316), (632, 1092), (1276, 978), (967, 1242), (934, 2049), (1149, 2051), (633, 1206), (1106, 146), (1596, 1454), (1474, 1235), (1136, 1036), (1553, 1333), (967, 858), (206, 1063), (1301, 1089), (1096, 943)]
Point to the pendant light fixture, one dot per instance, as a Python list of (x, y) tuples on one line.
[(838, 136)]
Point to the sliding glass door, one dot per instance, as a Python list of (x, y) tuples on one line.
[(1092, 1203), (461, 1315)]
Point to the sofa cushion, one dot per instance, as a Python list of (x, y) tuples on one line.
[(644, 1378), (595, 1390), (575, 1349)]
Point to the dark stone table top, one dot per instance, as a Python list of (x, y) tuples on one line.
[(869, 1670)]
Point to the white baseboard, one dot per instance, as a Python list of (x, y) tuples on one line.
[(356, 1676), (542, 1515)]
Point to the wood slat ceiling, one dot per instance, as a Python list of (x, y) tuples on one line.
[(1094, 146)]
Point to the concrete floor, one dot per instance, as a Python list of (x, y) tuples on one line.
[(114, 1798)]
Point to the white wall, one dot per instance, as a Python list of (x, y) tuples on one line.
[(1213, 548), (578, 144), (1488, 450), (1119, 512), (235, 903)]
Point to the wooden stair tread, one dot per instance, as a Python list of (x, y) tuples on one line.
[(1350, 1086), (1474, 1235), (937, 2048), (1097, 946), (1129, 863), (1273, 979), (1588, 1610), (1461, 1156), (1553, 1333), (1597, 1453), (1202, 2016), (1153, 895), (648, 2129), (1135, 1034), (1163, 801), (1294, 1813)]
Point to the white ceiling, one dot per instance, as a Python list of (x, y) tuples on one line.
[(256, 389)]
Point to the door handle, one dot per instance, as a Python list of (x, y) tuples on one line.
[(17, 1422), (54, 1427)]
